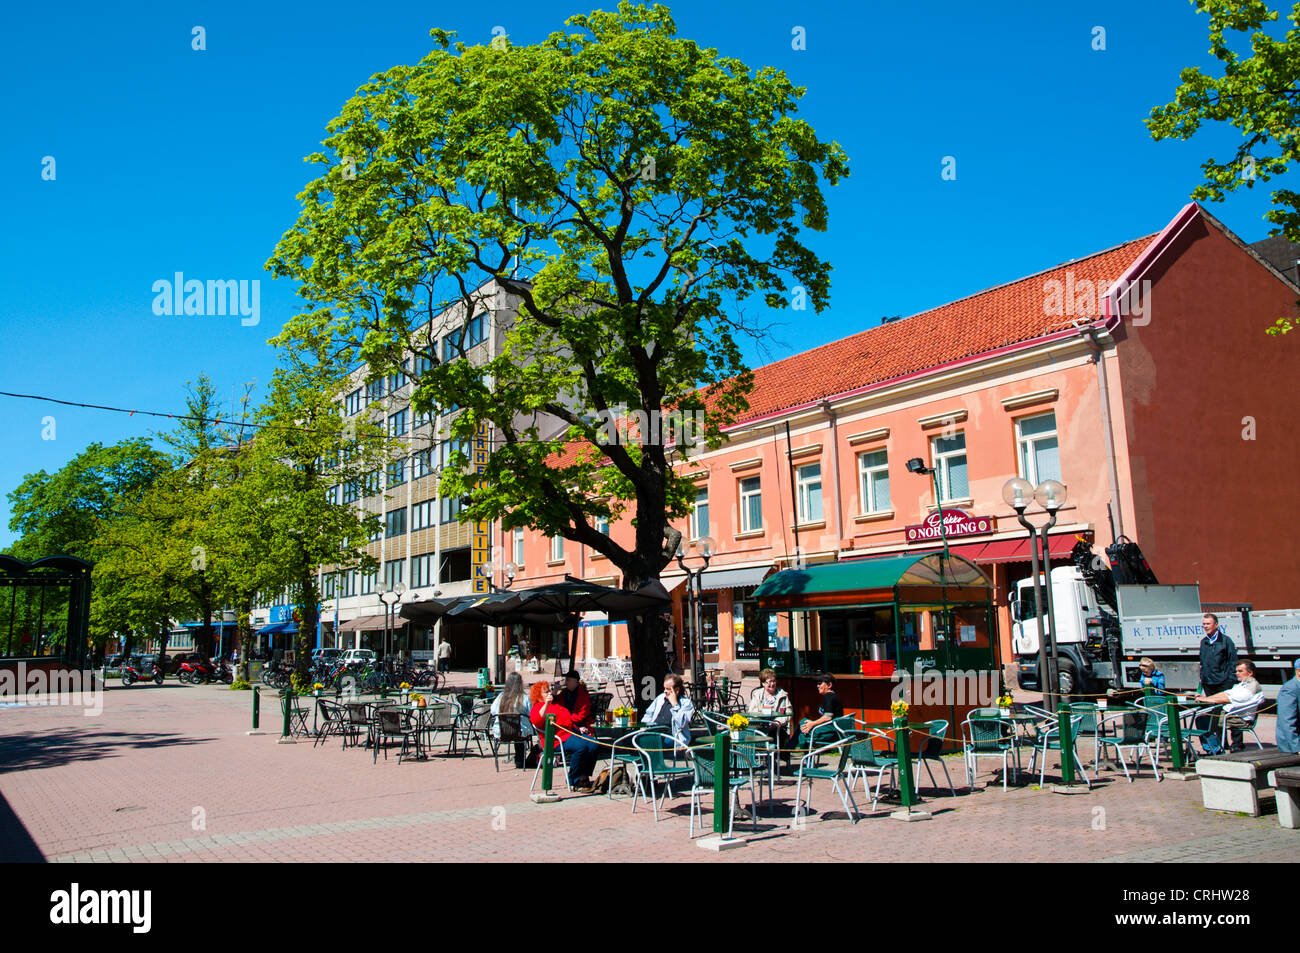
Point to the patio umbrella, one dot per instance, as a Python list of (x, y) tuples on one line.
[(576, 596), (488, 609), (429, 611)]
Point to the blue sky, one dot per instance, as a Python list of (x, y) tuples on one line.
[(169, 159)]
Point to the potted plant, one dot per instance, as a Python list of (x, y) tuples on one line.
[(418, 699), (404, 688), (317, 689), (899, 712), (1004, 704), (622, 716), (736, 724)]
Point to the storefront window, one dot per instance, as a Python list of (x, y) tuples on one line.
[(708, 641)]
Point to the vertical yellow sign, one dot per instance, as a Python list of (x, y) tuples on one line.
[(480, 539)]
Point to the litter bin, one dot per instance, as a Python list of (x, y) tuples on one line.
[(254, 672)]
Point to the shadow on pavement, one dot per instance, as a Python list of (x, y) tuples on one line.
[(47, 749), (16, 845)]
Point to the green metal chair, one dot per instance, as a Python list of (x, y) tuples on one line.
[(654, 769), (1050, 740), (621, 751), (1191, 730), (703, 777), (864, 759), (1133, 731), (1090, 724), (985, 735), (810, 770)]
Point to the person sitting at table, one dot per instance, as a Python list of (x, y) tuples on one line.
[(1150, 676), (672, 709), (831, 708), (768, 699), (580, 752), (1245, 696), (513, 700), (574, 696)]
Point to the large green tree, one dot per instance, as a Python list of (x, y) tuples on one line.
[(1258, 94), (646, 187)]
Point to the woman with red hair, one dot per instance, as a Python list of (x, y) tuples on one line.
[(580, 752)]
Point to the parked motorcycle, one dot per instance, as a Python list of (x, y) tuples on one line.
[(199, 673), (131, 675)]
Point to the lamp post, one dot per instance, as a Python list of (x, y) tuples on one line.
[(1050, 495), (917, 465), (705, 546), (390, 599)]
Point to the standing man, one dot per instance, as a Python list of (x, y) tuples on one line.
[(1288, 714), (444, 656), (1218, 658)]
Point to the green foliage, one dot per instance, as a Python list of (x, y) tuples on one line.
[(239, 685), (647, 187), (1258, 94)]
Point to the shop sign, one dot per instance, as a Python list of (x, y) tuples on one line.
[(480, 535), (955, 523)]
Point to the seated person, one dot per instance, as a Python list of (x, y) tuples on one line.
[(1150, 677), (1244, 697), (513, 700), (768, 699), (672, 709), (580, 752), (831, 708), (574, 696)]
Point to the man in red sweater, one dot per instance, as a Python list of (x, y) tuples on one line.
[(575, 697)]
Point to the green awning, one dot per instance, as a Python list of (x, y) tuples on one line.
[(910, 577)]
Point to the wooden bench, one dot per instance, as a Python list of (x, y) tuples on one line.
[(1286, 781), (1232, 782)]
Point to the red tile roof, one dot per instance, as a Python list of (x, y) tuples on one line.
[(1007, 314), (985, 321)]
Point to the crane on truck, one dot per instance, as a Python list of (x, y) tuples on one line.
[(1109, 616)]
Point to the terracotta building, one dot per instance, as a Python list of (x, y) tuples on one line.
[(1139, 376)]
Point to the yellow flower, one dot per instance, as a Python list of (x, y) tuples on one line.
[(404, 686), (898, 709), (737, 722)]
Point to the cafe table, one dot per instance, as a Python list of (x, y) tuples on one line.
[(764, 748)]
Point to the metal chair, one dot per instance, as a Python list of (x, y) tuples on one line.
[(1090, 724), (1050, 740), (441, 717), (703, 770), (394, 723), (474, 727), (559, 758), (505, 730), (600, 702), (932, 751), (985, 735), (1191, 730), (334, 721), (1247, 715), (810, 770), (1134, 733), (654, 769), (864, 760)]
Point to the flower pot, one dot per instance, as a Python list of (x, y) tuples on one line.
[(735, 734), (620, 721), (1004, 712)]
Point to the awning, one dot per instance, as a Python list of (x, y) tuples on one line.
[(907, 578), (370, 623), (279, 628), (733, 578), (1017, 550)]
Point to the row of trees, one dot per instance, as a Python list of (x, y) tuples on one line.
[(239, 503)]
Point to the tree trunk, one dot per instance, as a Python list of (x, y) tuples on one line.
[(245, 635), (309, 612)]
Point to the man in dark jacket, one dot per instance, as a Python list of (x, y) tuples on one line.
[(1218, 658)]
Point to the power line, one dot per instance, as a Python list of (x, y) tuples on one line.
[(230, 421)]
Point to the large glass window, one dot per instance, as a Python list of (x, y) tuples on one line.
[(397, 472), (451, 507), (476, 330), (557, 548), (422, 514), (394, 572), (397, 423), (751, 505), (368, 583), (700, 515), (518, 538), (1040, 455), (395, 522), (423, 570), (808, 479), (873, 474), (353, 403), (421, 463), (950, 462)]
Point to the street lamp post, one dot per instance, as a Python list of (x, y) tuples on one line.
[(1050, 494), (390, 599), (917, 465), (705, 546)]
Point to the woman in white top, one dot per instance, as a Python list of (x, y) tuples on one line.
[(513, 700), (768, 699)]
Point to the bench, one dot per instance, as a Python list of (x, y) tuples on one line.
[(1232, 782), (1287, 783)]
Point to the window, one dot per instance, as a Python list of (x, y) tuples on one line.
[(367, 583), (394, 572), (455, 566), (423, 364), (950, 462), (397, 472), (519, 545), (449, 346), (423, 570), (557, 548), (395, 522), (352, 403), (422, 514), (873, 477), (398, 380), (1040, 456), (348, 583), (751, 505), (602, 525), (700, 515), (809, 481), (421, 463), (397, 423), (423, 418), (476, 331), (451, 506), (377, 533), (327, 586), (374, 390), (708, 638), (449, 448)]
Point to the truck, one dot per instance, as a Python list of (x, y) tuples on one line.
[(1109, 617)]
